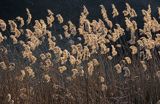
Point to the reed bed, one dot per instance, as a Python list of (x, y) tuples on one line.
[(96, 62)]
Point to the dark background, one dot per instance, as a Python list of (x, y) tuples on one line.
[(70, 9)]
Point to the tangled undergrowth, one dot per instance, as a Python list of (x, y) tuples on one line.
[(97, 62)]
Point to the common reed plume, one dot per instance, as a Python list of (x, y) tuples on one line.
[(75, 72), (1, 38), (118, 68), (3, 25), (115, 12), (60, 18), (3, 66), (129, 11), (134, 49), (11, 66), (62, 69), (105, 16), (21, 20), (29, 72), (50, 18), (47, 78), (29, 16)]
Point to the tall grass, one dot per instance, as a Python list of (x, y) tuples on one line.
[(97, 62)]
